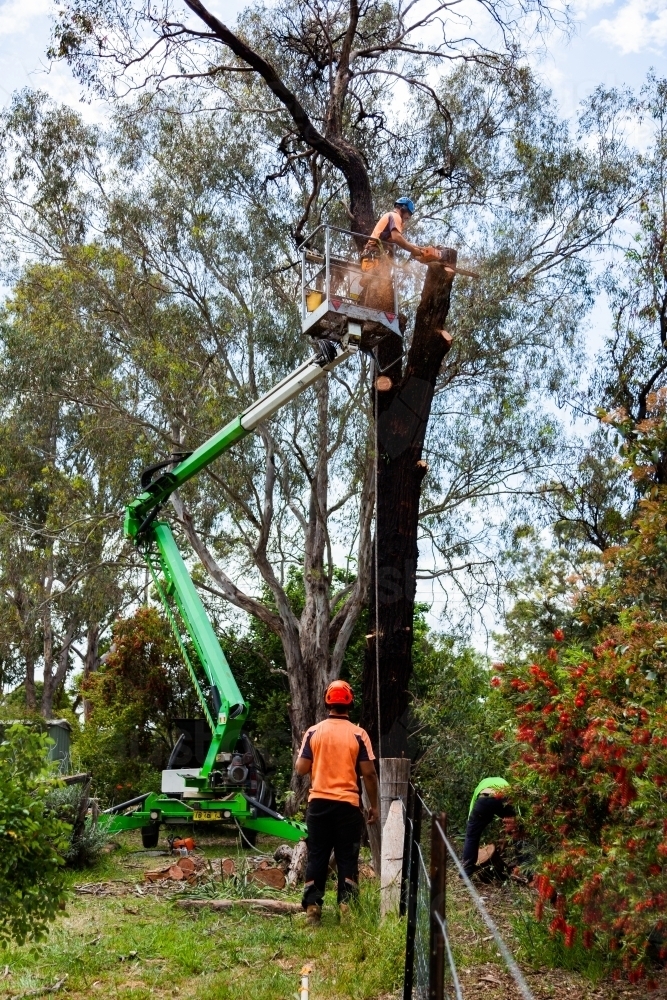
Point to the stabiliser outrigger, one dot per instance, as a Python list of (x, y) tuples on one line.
[(338, 323)]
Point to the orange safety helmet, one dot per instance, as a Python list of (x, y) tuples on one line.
[(339, 693)]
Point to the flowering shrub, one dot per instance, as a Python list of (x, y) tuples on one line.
[(590, 774)]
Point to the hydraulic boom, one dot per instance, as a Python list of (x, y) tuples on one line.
[(216, 791)]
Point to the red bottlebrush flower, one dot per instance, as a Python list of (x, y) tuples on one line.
[(496, 682), (641, 737), (570, 934), (662, 849), (654, 869), (587, 939), (539, 909), (611, 725), (632, 844), (557, 924), (558, 634), (499, 736), (580, 701), (552, 654)]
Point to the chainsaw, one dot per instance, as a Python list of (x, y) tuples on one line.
[(436, 255)]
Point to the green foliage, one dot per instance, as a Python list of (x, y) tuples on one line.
[(33, 840), (136, 694), (456, 718), (85, 844)]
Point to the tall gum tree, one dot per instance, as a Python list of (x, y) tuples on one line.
[(324, 65)]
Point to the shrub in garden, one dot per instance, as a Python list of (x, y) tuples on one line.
[(591, 770), (33, 839)]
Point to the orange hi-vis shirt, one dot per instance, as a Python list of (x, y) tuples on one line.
[(336, 747), (386, 225)]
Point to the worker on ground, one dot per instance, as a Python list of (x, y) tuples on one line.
[(336, 754), (488, 801)]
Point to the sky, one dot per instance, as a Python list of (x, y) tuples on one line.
[(616, 43)]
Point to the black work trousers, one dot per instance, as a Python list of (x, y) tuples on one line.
[(332, 826), (486, 808)]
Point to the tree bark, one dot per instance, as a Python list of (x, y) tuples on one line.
[(30, 694), (402, 414), (54, 679), (91, 662)]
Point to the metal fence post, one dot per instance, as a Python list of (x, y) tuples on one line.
[(436, 978), (413, 886), (407, 842)]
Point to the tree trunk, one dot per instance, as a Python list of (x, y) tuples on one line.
[(30, 695), (54, 679), (402, 414), (47, 628), (92, 662)]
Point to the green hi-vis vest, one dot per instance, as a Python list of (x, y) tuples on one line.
[(497, 783)]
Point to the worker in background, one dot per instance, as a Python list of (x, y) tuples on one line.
[(488, 801), (336, 754)]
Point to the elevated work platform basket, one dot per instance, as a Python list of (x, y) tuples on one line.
[(346, 280)]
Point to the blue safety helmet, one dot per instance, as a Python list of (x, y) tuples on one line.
[(405, 203)]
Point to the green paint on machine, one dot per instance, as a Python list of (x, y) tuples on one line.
[(216, 791)]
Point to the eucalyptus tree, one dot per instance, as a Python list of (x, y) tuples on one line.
[(629, 386), (321, 82), (63, 471), (178, 249)]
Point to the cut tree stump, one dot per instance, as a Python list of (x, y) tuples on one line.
[(274, 877), (297, 868), (485, 854), (267, 905)]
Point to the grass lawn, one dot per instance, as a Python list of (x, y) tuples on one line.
[(136, 946), (136, 943)]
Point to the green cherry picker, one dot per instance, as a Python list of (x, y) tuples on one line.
[(220, 789)]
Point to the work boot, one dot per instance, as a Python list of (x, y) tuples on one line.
[(313, 914)]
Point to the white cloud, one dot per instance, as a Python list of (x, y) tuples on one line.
[(18, 16), (638, 26)]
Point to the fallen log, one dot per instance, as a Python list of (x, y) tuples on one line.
[(268, 905)]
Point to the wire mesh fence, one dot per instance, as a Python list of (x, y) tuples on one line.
[(430, 969)]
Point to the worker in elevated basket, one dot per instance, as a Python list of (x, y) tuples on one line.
[(488, 801), (389, 230), (337, 755)]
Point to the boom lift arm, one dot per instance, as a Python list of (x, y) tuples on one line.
[(213, 791)]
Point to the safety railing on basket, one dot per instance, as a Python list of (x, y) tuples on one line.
[(430, 969)]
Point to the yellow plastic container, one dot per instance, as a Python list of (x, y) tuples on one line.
[(314, 300)]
